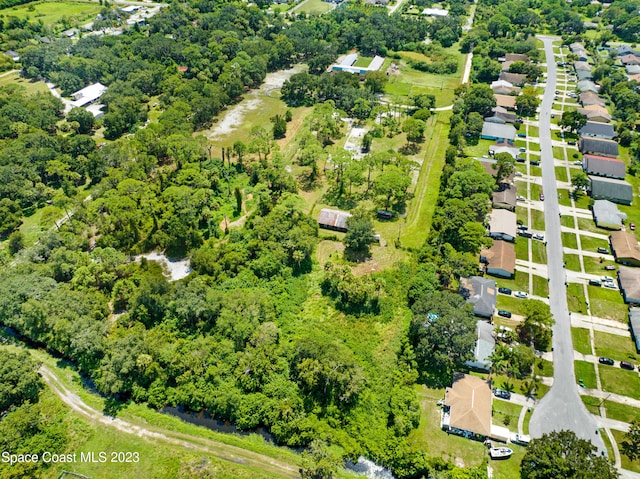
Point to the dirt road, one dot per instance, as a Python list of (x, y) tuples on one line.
[(218, 449)]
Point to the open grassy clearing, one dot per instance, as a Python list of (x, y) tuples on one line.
[(52, 12), (586, 371), (567, 221), (589, 243), (522, 248), (626, 462), (581, 340), (14, 78), (572, 262), (314, 7), (510, 303), (536, 191), (607, 303), (563, 196), (595, 266), (537, 220), (561, 173), (569, 240), (506, 414), (620, 348), (588, 225), (619, 381), (575, 298)]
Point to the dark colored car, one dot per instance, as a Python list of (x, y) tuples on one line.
[(571, 142), (525, 234), (541, 197), (603, 250), (534, 162), (632, 226), (626, 365), (607, 361), (384, 214), (504, 290), (595, 282), (523, 227), (502, 394), (504, 313)]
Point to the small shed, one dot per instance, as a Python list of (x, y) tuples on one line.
[(335, 220)]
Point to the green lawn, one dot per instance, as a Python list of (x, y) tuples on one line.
[(536, 190), (522, 216), (588, 225), (506, 414), (540, 286), (479, 150), (626, 462), (535, 170), (607, 303), (510, 303), (572, 262), (52, 12), (31, 87), (561, 173), (314, 7), (534, 146), (581, 339), (544, 368), (522, 248), (621, 412), (575, 298), (532, 131), (590, 243), (582, 201), (616, 347), (362, 61), (567, 221), (619, 381), (558, 152), (519, 282), (563, 197), (527, 419), (569, 240), (594, 266), (539, 252), (537, 220), (586, 371)]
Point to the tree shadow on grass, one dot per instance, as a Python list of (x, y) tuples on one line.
[(357, 256), (113, 405)]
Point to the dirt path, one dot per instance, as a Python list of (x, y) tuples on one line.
[(215, 448)]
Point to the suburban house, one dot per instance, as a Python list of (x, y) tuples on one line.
[(377, 3), (435, 12), (502, 225), (88, 95), (588, 85), (506, 101), (335, 220), (15, 56), (501, 115), (595, 113), (618, 191), (490, 168), (584, 75), (626, 50), (482, 293), (630, 59), (634, 326), (632, 69), (598, 146), (347, 64), (516, 57), (629, 282), (607, 215), (467, 407), (497, 131), (506, 65), (595, 129), (582, 65), (485, 345), (625, 248), (500, 259), (589, 98), (502, 87), (578, 50), (518, 79), (604, 166), (504, 198)]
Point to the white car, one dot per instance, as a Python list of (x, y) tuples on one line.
[(521, 294), (607, 279), (538, 237), (609, 284)]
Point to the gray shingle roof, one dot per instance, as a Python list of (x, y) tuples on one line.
[(598, 146), (618, 191), (629, 279), (497, 130), (604, 166), (607, 215), (598, 130), (481, 292), (634, 323)]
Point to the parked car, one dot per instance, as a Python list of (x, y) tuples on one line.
[(538, 237), (595, 282), (522, 135), (501, 393), (607, 279), (577, 162), (522, 149), (504, 313), (520, 198), (610, 267), (541, 197), (521, 294), (603, 250), (525, 234), (523, 227), (609, 284), (627, 365), (534, 162), (632, 226), (607, 361), (504, 290), (571, 142)]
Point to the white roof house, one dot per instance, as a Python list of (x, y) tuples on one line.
[(435, 12), (88, 94)]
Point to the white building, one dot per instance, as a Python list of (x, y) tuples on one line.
[(88, 95)]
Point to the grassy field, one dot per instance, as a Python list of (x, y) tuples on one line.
[(506, 414), (607, 303), (537, 220), (575, 298), (540, 286), (581, 340), (539, 252), (572, 261), (317, 7), (52, 12), (536, 190), (479, 150), (563, 196), (510, 303), (535, 170), (586, 371), (418, 221), (411, 82), (522, 248), (569, 240), (626, 462), (620, 412), (616, 347), (588, 225), (567, 221), (619, 381), (590, 243), (561, 173), (10, 78), (594, 266)]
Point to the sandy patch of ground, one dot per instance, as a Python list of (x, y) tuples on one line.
[(175, 269)]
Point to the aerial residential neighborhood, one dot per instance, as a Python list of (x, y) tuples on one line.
[(319, 239)]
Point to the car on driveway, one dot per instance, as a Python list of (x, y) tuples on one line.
[(571, 143), (521, 294), (607, 361), (632, 226), (595, 282), (609, 284), (523, 227), (504, 313), (607, 279), (504, 291), (538, 237), (501, 393), (627, 365), (541, 197), (603, 250)]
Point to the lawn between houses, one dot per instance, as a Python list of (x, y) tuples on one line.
[(55, 14)]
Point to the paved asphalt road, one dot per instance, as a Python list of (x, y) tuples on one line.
[(561, 408)]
